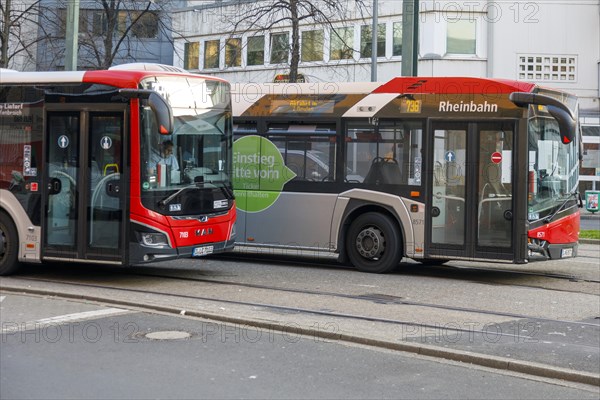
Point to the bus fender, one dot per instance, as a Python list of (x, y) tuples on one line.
[(355, 199), (29, 234)]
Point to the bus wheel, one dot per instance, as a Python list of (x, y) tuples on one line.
[(373, 243), (9, 245)]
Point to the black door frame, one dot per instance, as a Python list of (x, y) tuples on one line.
[(81, 251), (469, 249)]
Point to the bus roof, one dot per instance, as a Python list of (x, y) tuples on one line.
[(366, 99), (453, 85), (125, 76)]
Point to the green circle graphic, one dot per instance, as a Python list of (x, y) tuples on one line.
[(259, 173)]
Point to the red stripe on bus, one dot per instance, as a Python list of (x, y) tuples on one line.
[(437, 85)]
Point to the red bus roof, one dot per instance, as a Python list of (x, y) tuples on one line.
[(123, 78), (453, 85)]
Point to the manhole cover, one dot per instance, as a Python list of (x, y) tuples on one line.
[(168, 335)]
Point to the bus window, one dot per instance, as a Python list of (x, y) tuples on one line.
[(393, 145), (308, 150)]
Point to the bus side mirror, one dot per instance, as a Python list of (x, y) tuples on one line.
[(159, 106), (563, 115), (565, 123), (163, 113)]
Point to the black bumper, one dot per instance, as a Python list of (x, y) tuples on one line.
[(139, 254)]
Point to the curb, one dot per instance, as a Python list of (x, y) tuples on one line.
[(489, 361), (589, 241), (589, 216)]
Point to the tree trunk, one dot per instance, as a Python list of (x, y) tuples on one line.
[(5, 36), (295, 50)]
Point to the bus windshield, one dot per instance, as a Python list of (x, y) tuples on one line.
[(196, 155), (553, 168)]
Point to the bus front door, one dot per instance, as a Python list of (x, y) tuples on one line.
[(470, 212), (84, 196)]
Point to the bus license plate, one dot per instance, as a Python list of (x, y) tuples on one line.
[(566, 253), (202, 251)]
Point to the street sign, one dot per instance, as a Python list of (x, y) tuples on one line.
[(496, 157), (450, 156)]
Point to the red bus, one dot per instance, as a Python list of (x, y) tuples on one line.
[(122, 166), (432, 169)]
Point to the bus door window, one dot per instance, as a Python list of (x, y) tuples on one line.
[(449, 190), (105, 210), (495, 187), (63, 168)]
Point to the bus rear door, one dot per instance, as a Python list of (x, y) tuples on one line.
[(84, 197), (471, 192)]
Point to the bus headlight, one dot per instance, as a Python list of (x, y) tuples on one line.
[(232, 232), (154, 239)]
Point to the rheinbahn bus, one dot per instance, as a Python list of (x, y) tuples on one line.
[(84, 176), (432, 169)]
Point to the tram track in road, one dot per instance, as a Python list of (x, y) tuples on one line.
[(260, 315), (487, 275), (376, 298)]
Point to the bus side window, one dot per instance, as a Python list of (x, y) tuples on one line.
[(307, 149)]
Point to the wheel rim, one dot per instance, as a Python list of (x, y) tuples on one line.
[(370, 243)]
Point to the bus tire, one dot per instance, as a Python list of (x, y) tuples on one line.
[(373, 243), (9, 246)]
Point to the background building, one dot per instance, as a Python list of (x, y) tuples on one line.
[(109, 34), (553, 43)]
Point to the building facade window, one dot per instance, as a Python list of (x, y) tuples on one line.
[(233, 52), (366, 41), (255, 54), (312, 46), (191, 56), (211, 54), (99, 23), (62, 24), (461, 36), (342, 44), (397, 39), (280, 45), (548, 68), (146, 26)]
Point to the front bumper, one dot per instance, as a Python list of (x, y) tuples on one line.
[(540, 250), (140, 254)]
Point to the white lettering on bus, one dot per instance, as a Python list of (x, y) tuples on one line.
[(246, 159), (446, 106)]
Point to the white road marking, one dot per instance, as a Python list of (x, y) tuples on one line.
[(62, 319), (2, 298)]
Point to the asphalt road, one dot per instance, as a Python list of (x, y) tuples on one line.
[(540, 318), (52, 348)]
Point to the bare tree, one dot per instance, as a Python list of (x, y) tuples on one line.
[(264, 15), (113, 30), (20, 32)]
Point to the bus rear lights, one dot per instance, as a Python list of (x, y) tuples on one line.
[(154, 239), (232, 232)]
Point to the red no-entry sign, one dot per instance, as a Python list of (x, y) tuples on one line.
[(496, 157)]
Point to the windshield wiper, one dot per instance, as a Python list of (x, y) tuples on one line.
[(166, 200), (562, 206), (198, 185)]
